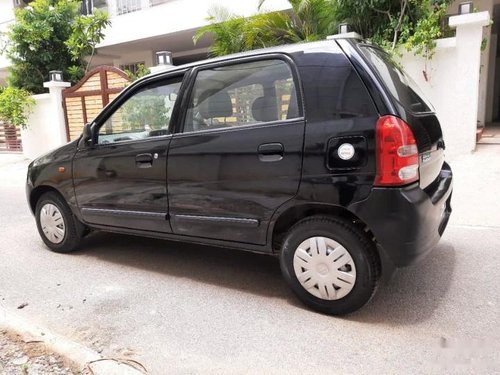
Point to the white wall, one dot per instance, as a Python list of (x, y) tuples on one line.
[(6, 10), (453, 81), (442, 72), (37, 137), (46, 128)]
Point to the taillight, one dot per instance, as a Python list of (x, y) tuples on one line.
[(397, 153)]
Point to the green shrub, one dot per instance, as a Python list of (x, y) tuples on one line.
[(15, 106)]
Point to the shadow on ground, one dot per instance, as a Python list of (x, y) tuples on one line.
[(414, 293), (411, 296)]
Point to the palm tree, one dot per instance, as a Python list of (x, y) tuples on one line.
[(308, 20), (227, 30)]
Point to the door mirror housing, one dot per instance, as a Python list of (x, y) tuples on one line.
[(87, 136)]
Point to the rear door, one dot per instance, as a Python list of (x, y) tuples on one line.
[(237, 155)]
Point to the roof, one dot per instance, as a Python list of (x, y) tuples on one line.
[(286, 49)]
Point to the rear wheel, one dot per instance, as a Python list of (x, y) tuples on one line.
[(330, 265), (59, 228)]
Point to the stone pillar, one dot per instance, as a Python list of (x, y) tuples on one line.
[(468, 59), (55, 92)]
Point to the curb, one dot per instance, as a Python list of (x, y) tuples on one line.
[(82, 356)]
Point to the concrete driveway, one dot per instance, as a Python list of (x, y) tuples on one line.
[(180, 308)]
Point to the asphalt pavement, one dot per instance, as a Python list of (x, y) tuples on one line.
[(179, 308)]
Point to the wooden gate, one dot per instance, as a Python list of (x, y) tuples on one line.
[(85, 100), (10, 138)]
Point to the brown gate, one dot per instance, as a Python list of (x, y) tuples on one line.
[(10, 138), (85, 100)]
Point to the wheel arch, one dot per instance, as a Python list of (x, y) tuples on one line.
[(38, 191), (295, 213)]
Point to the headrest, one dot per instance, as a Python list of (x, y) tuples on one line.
[(215, 104), (264, 109)]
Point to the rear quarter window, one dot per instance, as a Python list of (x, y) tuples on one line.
[(399, 84), (333, 90)]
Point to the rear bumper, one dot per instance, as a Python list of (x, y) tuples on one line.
[(408, 222)]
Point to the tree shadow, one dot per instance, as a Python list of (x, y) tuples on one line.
[(410, 297)]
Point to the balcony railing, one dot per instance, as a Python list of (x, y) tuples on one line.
[(127, 6), (118, 7)]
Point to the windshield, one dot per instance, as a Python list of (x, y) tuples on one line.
[(400, 85)]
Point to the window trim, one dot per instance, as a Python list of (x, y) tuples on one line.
[(130, 91), (179, 129), (257, 125)]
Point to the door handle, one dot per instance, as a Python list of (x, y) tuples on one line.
[(270, 152), (144, 161)]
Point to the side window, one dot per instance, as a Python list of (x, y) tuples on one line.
[(333, 89), (242, 94), (146, 113)]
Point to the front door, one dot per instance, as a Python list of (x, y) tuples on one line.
[(238, 153), (121, 180)]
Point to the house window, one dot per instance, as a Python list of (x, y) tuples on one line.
[(21, 3), (89, 6)]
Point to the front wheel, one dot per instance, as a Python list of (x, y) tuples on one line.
[(57, 225), (330, 265)]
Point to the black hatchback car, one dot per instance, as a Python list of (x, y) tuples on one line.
[(324, 154)]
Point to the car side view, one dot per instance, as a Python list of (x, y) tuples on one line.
[(324, 154)]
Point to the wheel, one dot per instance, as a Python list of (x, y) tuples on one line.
[(330, 264), (59, 228)]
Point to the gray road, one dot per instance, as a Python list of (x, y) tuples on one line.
[(193, 309)]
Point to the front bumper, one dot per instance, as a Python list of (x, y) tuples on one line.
[(408, 222)]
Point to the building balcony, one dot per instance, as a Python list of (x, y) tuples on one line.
[(133, 20)]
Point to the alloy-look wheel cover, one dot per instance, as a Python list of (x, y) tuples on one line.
[(52, 223), (324, 268)]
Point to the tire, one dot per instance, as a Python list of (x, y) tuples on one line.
[(311, 248), (52, 212)]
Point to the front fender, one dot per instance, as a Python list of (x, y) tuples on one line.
[(52, 171)]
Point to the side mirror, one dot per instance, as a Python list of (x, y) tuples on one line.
[(87, 137)]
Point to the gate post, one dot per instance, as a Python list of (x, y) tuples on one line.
[(468, 61), (46, 128), (59, 127)]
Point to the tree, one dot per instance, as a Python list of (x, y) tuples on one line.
[(414, 24), (51, 35), (389, 23)]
